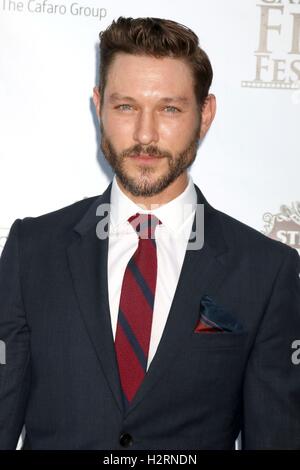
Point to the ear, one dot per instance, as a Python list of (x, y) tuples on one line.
[(208, 114), (97, 100)]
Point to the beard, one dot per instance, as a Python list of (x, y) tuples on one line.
[(144, 185)]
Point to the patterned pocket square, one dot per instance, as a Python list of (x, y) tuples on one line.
[(214, 318)]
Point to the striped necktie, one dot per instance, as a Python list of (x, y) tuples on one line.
[(136, 307)]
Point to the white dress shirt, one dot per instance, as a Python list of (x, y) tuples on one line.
[(171, 241)]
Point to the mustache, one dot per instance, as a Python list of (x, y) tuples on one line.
[(152, 150)]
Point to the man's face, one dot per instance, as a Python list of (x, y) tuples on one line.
[(150, 121)]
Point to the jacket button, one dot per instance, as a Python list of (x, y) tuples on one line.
[(126, 439)]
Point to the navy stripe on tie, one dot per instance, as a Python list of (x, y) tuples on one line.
[(141, 282), (144, 227), (154, 242), (132, 340)]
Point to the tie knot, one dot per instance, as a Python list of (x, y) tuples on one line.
[(144, 225)]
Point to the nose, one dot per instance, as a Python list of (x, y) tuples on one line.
[(146, 128)]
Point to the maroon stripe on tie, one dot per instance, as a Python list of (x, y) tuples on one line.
[(130, 370), (140, 317), (147, 265)]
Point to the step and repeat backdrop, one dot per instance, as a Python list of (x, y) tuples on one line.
[(247, 166)]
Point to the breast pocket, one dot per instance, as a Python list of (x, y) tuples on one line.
[(218, 340)]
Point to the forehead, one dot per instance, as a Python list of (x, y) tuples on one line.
[(149, 76)]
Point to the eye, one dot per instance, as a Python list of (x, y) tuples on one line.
[(172, 109), (124, 107)]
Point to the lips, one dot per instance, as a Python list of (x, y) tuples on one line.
[(144, 156)]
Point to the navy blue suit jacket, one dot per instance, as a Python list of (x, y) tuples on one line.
[(61, 377)]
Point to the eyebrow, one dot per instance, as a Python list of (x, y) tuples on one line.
[(175, 99)]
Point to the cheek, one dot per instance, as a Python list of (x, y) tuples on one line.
[(117, 126), (170, 130), (118, 132), (177, 131)]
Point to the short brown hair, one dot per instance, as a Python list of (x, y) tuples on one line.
[(158, 38)]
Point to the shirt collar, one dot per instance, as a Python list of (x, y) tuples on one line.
[(174, 215)]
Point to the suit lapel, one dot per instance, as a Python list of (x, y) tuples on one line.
[(88, 265), (203, 271)]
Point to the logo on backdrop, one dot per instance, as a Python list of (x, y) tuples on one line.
[(46, 7), (277, 56), (285, 225)]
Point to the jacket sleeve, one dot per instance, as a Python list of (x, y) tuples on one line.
[(15, 345), (271, 389)]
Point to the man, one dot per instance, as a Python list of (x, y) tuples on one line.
[(123, 332)]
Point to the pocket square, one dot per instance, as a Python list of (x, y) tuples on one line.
[(214, 318)]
